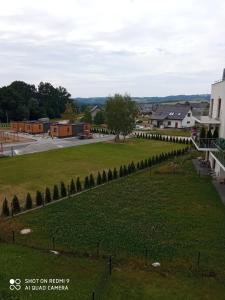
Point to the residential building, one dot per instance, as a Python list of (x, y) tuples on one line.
[(172, 116), (94, 110), (214, 143)]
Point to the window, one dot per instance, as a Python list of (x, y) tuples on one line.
[(54, 129), (39, 126), (68, 129), (219, 108), (169, 123), (211, 107), (189, 114), (188, 122)]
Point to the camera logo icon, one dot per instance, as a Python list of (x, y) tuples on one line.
[(15, 284)]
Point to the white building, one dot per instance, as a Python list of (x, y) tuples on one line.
[(214, 147), (172, 116)]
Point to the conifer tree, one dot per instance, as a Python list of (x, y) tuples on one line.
[(15, 205), (115, 173), (78, 184), (5, 208), (110, 175), (92, 181), (28, 204), (121, 173), (63, 189), (99, 179), (48, 197), (72, 187), (39, 198), (104, 177), (86, 183), (55, 192)]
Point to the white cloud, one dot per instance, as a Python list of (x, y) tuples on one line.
[(98, 47)]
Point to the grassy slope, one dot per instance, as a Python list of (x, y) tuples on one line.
[(21, 262), (186, 213), (173, 216), (36, 171)]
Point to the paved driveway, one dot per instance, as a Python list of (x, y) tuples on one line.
[(41, 144)]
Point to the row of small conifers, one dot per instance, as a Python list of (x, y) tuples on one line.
[(89, 182), (149, 136)]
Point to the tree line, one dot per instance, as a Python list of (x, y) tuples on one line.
[(22, 101), (90, 181)]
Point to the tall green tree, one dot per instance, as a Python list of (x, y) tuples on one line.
[(120, 113)]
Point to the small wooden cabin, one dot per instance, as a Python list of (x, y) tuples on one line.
[(17, 126), (60, 130)]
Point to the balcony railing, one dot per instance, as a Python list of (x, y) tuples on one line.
[(205, 143), (220, 154)]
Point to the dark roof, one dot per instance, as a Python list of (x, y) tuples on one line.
[(146, 107), (171, 112)]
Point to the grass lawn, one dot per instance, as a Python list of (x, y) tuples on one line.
[(173, 216), (36, 171), (24, 263)]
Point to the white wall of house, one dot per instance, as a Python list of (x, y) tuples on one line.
[(172, 123), (188, 121), (218, 92)]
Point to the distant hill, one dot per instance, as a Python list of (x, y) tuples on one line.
[(176, 98)]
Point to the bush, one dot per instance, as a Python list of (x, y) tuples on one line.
[(104, 177), (99, 179), (72, 187), (55, 192), (48, 197), (115, 173), (78, 184), (5, 208), (86, 183), (39, 198), (121, 173), (110, 175), (15, 205), (63, 189), (92, 181), (28, 204)]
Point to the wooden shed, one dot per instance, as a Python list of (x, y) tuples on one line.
[(60, 130), (17, 126)]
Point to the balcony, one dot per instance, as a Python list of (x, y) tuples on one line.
[(220, 153), (204, 144)]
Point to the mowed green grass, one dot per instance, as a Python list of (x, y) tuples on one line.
[(24, 263), (172, 132), (173, 216), (29, 173)]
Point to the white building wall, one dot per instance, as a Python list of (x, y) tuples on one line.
[(188, 121), (218, 92), (172, 123)]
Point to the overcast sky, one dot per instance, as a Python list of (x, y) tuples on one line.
[(100, 47)]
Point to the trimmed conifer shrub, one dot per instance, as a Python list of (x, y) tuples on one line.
[(63, 189), (28, 204), (115, 173), (78, 184), (39, 198), (125, 171), (16, 205), (110, 175), (99, 179), (138, 165), (121, 173), (104, 177), (55, 192), (72, 187), (5, 208), (48, 197), (132, 165), (92, 181), (86, 183)]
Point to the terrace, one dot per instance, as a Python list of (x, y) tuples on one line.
[(220, 153)]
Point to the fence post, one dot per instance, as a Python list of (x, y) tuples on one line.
[(13, 236), (53, 243), (110, 265), (93, 295), (199, 255)]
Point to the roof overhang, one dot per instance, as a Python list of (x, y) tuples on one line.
[(206, 120)]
